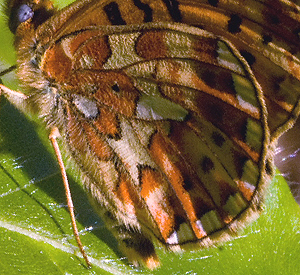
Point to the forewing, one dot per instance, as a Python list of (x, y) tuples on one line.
[(266, 33)]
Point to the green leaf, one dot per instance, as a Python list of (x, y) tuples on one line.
[(36, 235)]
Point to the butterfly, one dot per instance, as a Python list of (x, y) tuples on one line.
[(171, 109)]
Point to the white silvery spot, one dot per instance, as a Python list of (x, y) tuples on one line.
[(173, 239), (86, 106)]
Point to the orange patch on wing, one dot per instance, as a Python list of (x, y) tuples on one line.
[(165, 157), (56, 64), (97, 144), (106, 122), (117, 92), (127, 196), (246, 191), (157, 200), (151, 45), (96, 52), (74, 42), (205, 50)]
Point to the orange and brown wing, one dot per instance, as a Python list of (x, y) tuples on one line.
[(266, 33), (169, 126)]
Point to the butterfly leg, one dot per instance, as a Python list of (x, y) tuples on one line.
[(18, 99), (53, 138)]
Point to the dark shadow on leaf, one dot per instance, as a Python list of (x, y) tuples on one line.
[(20, 139)]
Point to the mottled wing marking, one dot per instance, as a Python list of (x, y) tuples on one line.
[(267, 34), (177, 136), (172, 132)]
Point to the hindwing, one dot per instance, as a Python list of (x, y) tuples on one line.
[(175, 123)]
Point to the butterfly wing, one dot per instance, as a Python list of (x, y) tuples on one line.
[(265, 33), (168, 125), (173, 136)]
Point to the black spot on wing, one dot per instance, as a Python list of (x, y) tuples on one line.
[(234, 23), (218, 139), (146, 9), (188, 185), (296, 32), (213, 3), (243, 130), (216, 113), (140, 244), (178, 221), (273, 19), (266, 39), (239, 163), (250, 58), (113, 13), (207, 164), (172, 6), (116, 88)]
